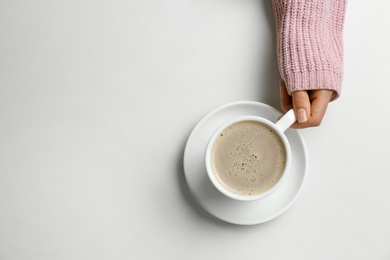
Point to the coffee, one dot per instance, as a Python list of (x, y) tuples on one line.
[(248, 158)]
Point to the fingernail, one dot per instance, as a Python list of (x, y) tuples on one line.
[(302, 116)]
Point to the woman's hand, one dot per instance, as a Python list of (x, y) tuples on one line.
[(309, 106)]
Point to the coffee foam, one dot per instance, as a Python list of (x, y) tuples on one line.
[(248, 158)]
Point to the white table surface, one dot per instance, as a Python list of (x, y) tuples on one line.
[(97, 100)]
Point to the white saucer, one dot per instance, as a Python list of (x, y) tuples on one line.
[(217, 204)]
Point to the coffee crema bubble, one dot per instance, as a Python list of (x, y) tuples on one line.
[(248, 158)]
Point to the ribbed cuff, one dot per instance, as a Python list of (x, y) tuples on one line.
[(313, 80)]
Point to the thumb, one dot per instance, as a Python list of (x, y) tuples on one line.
[(301, 105)]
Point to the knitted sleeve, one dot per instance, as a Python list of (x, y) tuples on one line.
[(310, 43)]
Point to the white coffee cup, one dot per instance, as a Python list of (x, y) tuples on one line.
[(278, 128)]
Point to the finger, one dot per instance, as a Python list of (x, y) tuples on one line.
[(320, 101), (319, 104), (285, 98), (301, 104)]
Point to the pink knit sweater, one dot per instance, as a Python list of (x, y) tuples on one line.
[(309, 43)]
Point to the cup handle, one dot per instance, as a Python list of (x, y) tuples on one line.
[(286, 121)]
